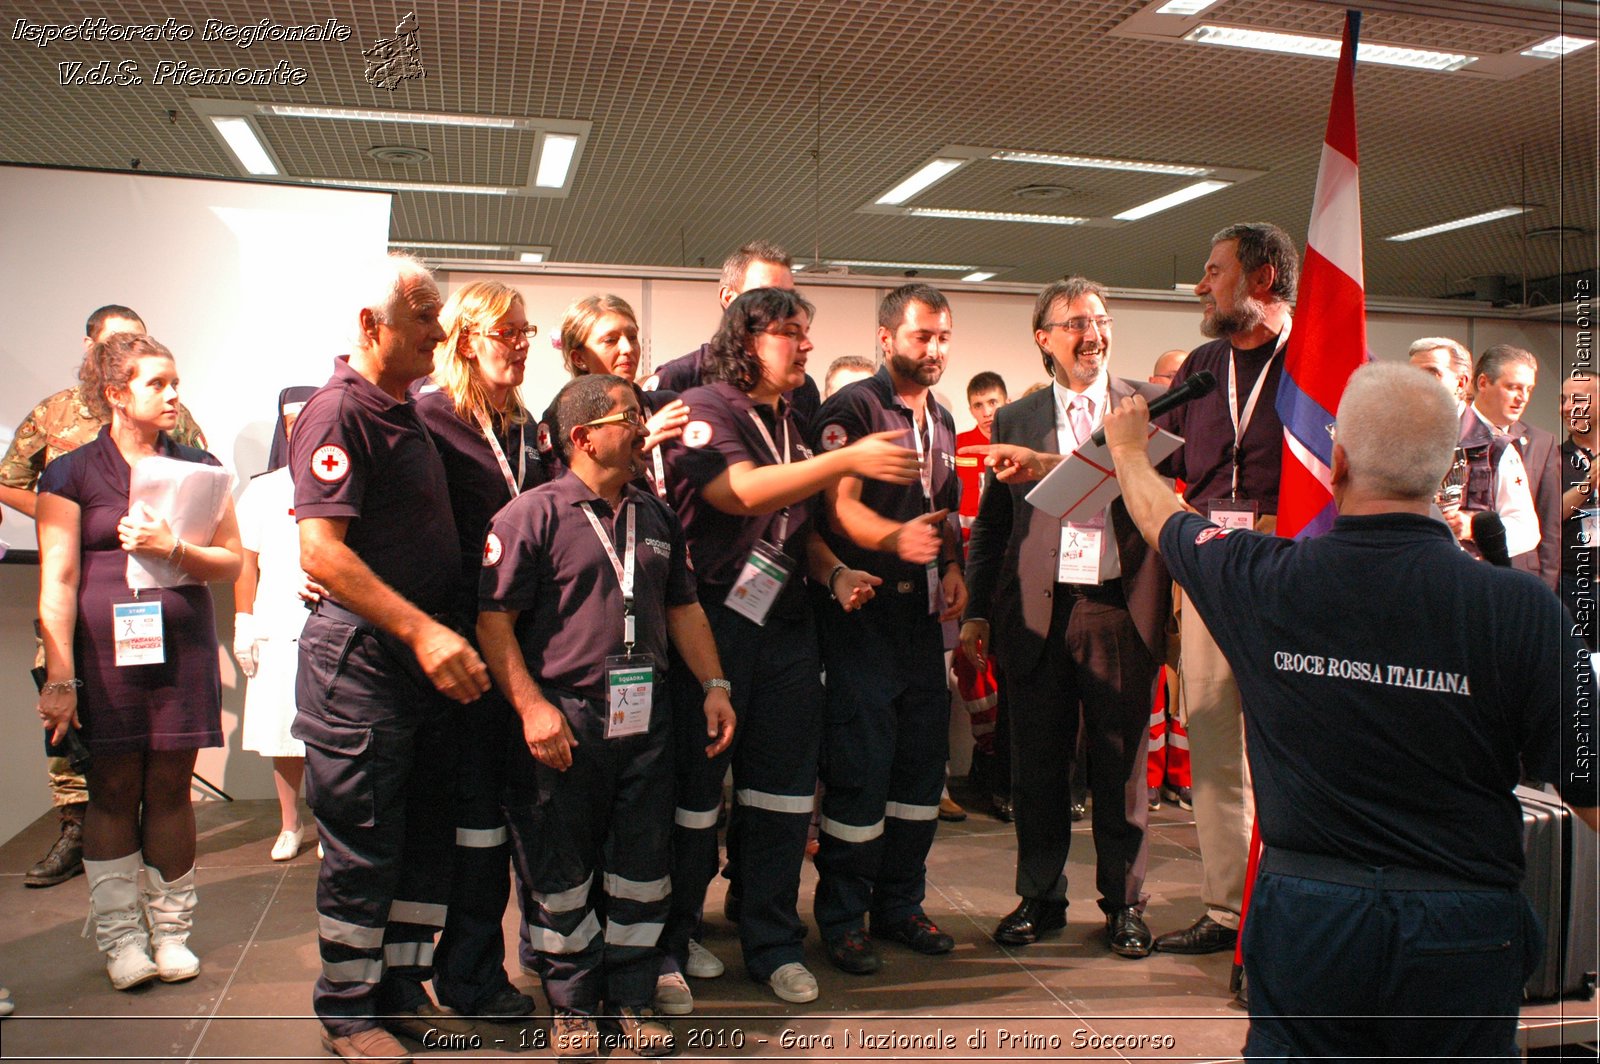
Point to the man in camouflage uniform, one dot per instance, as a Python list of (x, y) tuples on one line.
[(60, 424)]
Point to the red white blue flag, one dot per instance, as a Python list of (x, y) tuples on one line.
[(1330, 321)]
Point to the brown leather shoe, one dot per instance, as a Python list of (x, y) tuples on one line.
[(366, 1047), (427, 1022), (950, 811)]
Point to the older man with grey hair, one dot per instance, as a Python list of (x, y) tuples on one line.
[(1496, 479), (378, 658), (1394, 691)]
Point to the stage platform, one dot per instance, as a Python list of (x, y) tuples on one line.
[(1067, 997)]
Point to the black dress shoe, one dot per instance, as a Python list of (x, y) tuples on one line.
[(1205, 935), (1079, 811), (1003, 810), (917, 932), (1029, 920), (1127, 933), (854, 953)]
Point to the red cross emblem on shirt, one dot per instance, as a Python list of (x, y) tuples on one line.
[(491, 551), (329, 463), (834, 437)]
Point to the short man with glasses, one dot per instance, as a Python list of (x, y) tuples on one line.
[(1077, 611), (585, 580)]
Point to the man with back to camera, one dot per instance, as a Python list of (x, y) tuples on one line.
[(1078, 613), (1496, 479), (378, 656), (758, 264), (1580, 525), (1390, 884), (57, 425), (978, 687), (1230, 464), (885, 738), (1503, 381)]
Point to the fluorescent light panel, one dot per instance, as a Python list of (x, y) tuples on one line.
[(981, 275), (1326, 47), (1184, 7), (932, 172), (419, 118), (240, 135), (994, 216), (1093, 163), (1459, 223), (412, 186), (1172, 199), (555, 158), (873, 264), (1556, 47), (531, 256)]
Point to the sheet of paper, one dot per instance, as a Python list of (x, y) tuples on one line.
[(191, 497), (1086, 482)]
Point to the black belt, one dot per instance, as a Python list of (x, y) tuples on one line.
[(1348, 873)]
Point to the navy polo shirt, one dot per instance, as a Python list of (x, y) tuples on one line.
[(478, 488), (867, 406), (1205, 461), (358, 453), (543, 560), (1393, 689), (683, 373), (723, 433)]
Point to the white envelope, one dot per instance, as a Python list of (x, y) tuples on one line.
[(1086, 482)]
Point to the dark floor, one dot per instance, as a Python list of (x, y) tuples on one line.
[(1067, 996)]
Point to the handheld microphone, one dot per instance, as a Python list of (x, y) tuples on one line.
[(1193, 388), (1489, 533)]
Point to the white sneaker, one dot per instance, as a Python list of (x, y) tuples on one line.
[(673, 996), (702, 963), (794, 983), (288, 845)]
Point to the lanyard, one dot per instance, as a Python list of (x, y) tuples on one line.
[(624, 570), (783, 459), (1242, 419), (925, 473), (512, 482)]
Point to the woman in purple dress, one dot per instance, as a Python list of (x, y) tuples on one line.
[(134, 672)]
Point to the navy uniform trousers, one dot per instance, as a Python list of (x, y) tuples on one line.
[(884, 743), (469, 964), (778, 700), (591, 847), (379, 759), (1349, 962)]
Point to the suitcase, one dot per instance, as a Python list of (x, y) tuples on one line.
[(1560, 884)]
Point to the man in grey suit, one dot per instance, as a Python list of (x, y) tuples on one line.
[(1505, 377), (1078, 615)]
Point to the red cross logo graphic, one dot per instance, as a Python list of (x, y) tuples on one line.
[(834, 437), (544, 437), (330, 464), (491, 551), (696, 434)]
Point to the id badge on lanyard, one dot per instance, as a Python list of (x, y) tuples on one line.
[(767, 569), (630, 677), (139, 638), (513, 480), (1230, 512), (1079, 561), (1233, 513)]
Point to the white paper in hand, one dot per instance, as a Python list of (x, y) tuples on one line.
[(190, 497), (1086, 482)]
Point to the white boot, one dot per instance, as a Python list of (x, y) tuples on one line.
[(118, 919), (171, 910)]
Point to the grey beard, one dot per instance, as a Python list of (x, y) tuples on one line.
[(1246, 315)]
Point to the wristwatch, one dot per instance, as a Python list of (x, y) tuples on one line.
[(707, 685)]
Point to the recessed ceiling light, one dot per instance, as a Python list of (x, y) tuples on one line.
[(555, 158), (994, 216), (1326, 47), (1094, 163), (420, 118), (981, 275), (241, 138), (1556, 47), (1172, 199), (412, 186), (927, 175), (531, 256), (1184, 7), (1459, 223)]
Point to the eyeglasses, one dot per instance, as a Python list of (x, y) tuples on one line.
[(631, 418), (792, 333), (511, 336), (1103, 323)]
